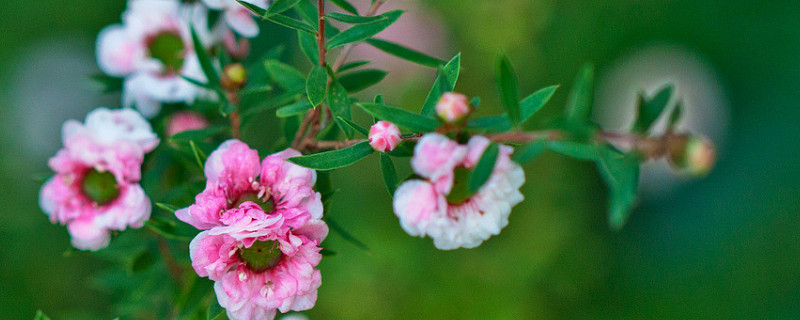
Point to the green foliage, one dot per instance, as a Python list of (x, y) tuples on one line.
[(483, 170), (288, 77), (362, 32), (527, 153), (107, 84), (361, 79), (274, 16), (445, 81), (491, 123), (347, 236), (294, 109), (534, 102), (389, 173), (279, 6), (350, 19), (316, 85), (40, 316), (675, 115), (339, 103), (346, 6), (352, 65), (171, 229), (621, 174), (309, 46), (507, 85), (650, 109), (355, 126), (335, 159), (406, 53), (579, 104), (400, 117)]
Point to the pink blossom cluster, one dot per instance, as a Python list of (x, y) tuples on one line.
[(96, 186), (425, 206), (262, 230)]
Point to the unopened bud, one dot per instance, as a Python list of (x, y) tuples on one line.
[(692, 154), (234, 76), (453, 107), (384, 136)]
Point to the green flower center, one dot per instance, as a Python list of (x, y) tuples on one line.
[(267, 205), (460, 191), (261, 256), (168, 48), (100, 187)]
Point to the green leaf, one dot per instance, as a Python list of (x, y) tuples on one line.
[(107, 84), (279, 6), (253, 8), (309, 46), (40, 316), (286, 76), (400, 117), (168, 229), (405, 53), (316, 85), (445, 81), (491, 123), (579, 103), (198, 154), (292, 23), (197, 82), (335, 159), (339, 103), (346, 6), (355, 126), (404, 150), (214, 310), (532, 103), (621, 174), (361, 79), (483, 170), (167, 207), (198, 135), (675, 115), (205, 60), (327, 252), (346, 18), (363, 31), (141, 261), (507, 85), (576, 150), (389, 173), (527, 153), (353, 65), (294, 109), (346, 235), (650, 109)]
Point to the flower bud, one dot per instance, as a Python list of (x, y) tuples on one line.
[(234, 76), (384, 136), (453, 107), (185, 121), (238, 49), (691, 154)]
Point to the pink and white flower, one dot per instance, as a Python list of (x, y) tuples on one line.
[(151, 49), (95, 188), (430, 207), (453, 107), (263, 231), (384, 136), (236, 16)]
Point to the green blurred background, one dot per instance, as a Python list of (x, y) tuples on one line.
[(725, 247)]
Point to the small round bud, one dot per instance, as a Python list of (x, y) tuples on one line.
[(185, 121), (453, 107), (384, 136), (691, 154), (234, 76)]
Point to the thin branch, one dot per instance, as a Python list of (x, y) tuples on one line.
[(321, 34), (174, 268)]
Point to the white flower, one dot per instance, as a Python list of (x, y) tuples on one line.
[(239, 18)]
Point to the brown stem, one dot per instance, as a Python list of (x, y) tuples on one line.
[(236, 123), (301, 132), (342, 58), (174, 268), (321, 34)]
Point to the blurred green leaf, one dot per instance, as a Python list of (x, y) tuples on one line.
[(532, 103), (167, 207), (405, 53), (327, 252), (199, 135), (353, 65), (40, 316), (205, 60), (491, 123), (507, 85), (576, 150), (400, 117), (215, 310), (389, 173), (261, 12), (339, 103), (475, 102), (297, 108), (363, 31), (292, 23), (335, 159), (168, 229), (107, 84), (361, 79), (355, 126), (350, 19), (527, 153), (347, 236), (280, 19), (675, 115), (650, 109), (198, 154), (316, 85), (309, 46), (289, 78), (142, 261), (279, 6), (621, 174), (483, 170), (346, 6), (445, 81), (579, 103)]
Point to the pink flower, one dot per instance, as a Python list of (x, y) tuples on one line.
[(384, 136), (432, 206), (263, 231), (453, 107), (239, 18), (151, 50), (95, 188), (185, 121)]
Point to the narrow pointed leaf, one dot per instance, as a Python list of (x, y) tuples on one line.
[(507, 85), (292, 23), (363, 31), (405, 53), (346, 6), (309, 46), (352, 65), (491, 123), (445, 81), (527, 153), (335, 227), (259, 11), (198, 135), (355, 126), (293, 109), (289, 78), (675, 115), (335, 159), (205, 60), (350, 19), (575, 150), (483, 170), (361, 79), (400, 117), (650, 109), (199, 156), (621, 174), (316, 85), (279, 6), (579, 104), (40, 316), (339, 103), (168, 229), (389, 173), (167, 207), (532, 103)]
